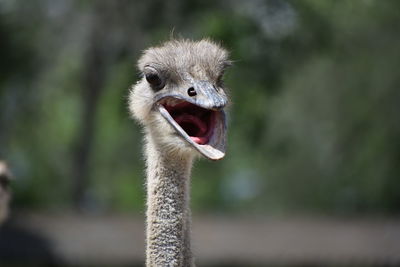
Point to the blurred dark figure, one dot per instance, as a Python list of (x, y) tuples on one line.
[(21, 246), (5, 194), (17, 243)]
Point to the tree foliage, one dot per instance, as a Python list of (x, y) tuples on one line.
[(313, 124)]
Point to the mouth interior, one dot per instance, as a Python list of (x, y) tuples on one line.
[(196, 121)]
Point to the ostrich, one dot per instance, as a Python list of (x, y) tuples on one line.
[(179, 102)]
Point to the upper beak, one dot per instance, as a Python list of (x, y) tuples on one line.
[(208, 96)]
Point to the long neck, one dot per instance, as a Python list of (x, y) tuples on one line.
[(168, 213)]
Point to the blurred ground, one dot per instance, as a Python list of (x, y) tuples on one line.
[(82, 240)]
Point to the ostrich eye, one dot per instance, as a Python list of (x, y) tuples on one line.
[(154, 79)]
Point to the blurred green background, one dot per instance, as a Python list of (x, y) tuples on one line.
[(314, 124)]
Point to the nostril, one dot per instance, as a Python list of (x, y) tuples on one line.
[(191, 91)]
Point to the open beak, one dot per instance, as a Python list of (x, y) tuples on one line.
[(199, 119)]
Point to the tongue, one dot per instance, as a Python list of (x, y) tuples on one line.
[(199, 140)]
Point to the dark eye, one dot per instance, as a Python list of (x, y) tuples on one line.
[(154, 79)]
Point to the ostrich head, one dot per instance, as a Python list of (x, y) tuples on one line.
[(180, 98)]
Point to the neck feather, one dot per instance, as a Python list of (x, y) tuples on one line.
[(168, 213)]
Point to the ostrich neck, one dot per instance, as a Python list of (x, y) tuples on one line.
[(168, 213)]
